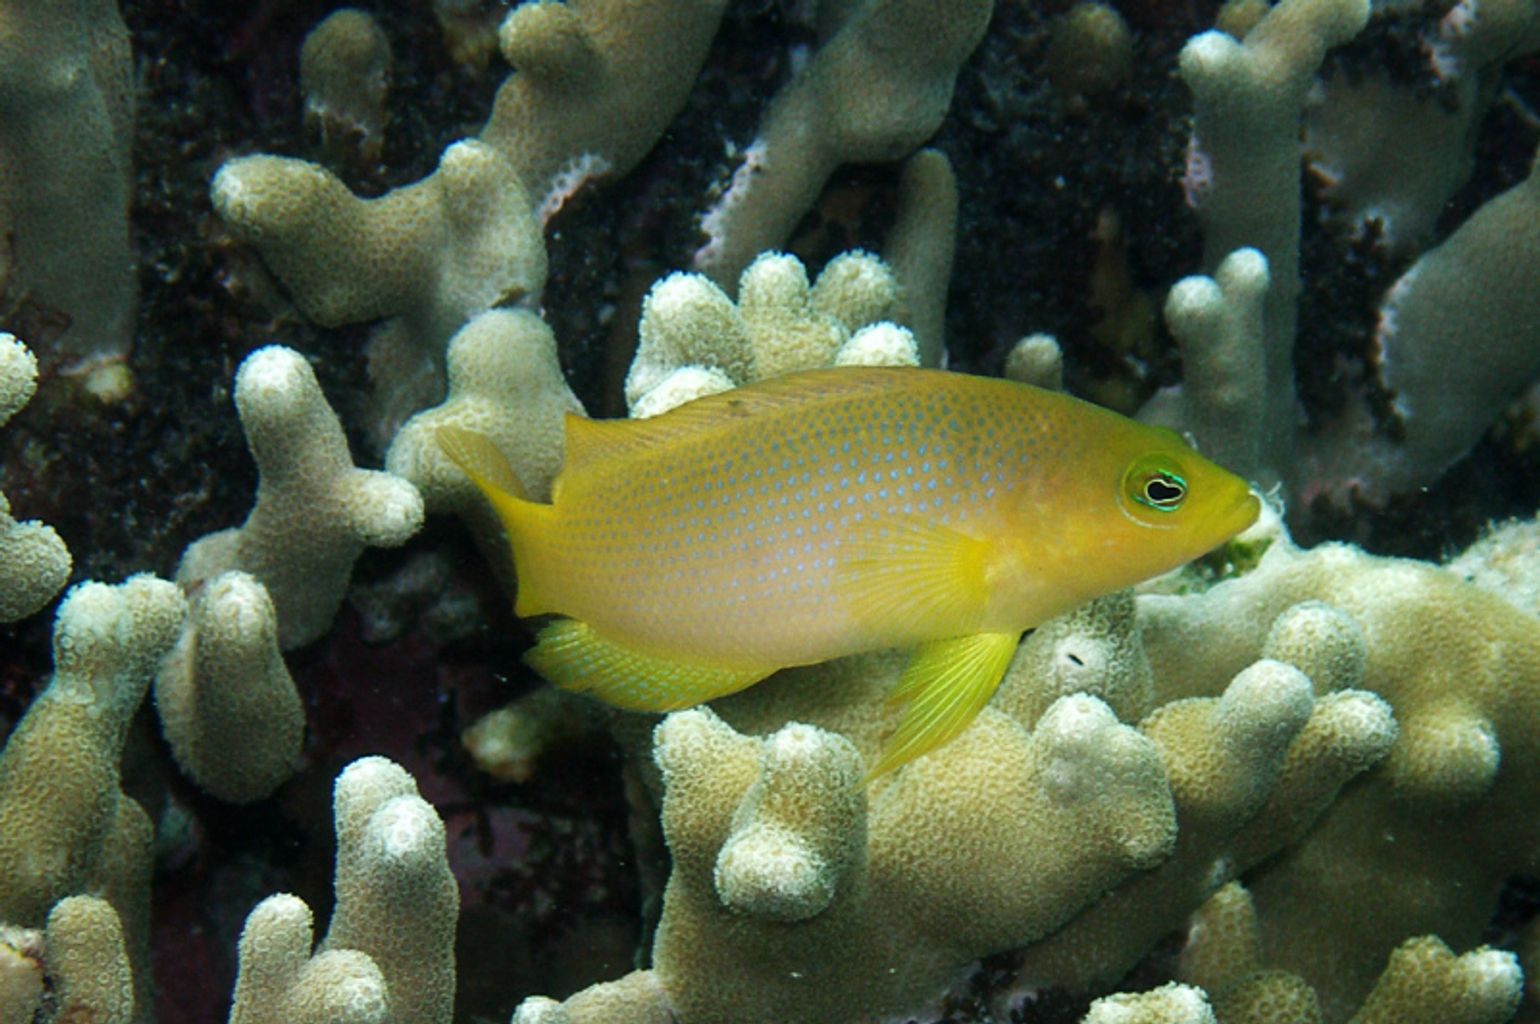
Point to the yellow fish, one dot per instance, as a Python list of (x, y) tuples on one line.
[(832, 512)]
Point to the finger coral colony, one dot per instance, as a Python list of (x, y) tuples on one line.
[(270, 751)]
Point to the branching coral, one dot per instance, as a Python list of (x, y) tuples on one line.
[(314, 513), (344, 72), (1423, 980), (1426, 843), (226, 702), (695, 341), (1471, 290), (1243, 167), (437, 251), (504, 382), (876, 90), (389, 953), (1243, 182), (65, 827), (597, 82), (81, 959), (34, 563)]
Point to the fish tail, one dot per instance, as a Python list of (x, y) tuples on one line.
[(526, 522)]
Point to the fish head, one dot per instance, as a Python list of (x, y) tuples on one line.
[(1118, 502), (1169, 503)]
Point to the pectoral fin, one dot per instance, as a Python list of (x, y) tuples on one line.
[(907, 575), (946, 684), (573, 656)]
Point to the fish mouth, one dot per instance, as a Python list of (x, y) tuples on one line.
[(1238, 515)]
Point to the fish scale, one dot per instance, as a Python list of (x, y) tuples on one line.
[(733, 545)]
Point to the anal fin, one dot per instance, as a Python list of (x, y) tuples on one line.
[(572, 655), (946, 684)]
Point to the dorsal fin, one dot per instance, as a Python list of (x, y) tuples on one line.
[(591, 443), (479, 458)]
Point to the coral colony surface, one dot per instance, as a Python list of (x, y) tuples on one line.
[(270, 754)]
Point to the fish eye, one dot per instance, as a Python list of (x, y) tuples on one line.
[(1155, 484), (1164, 491)]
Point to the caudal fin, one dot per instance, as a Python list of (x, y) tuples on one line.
[(524, 521)]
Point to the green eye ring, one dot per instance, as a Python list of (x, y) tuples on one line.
[(1153, 483)]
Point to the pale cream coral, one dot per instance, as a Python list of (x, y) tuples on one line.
[(65, 827), (597, 82), (1505, 561), (21, 975), (1423, 845), (770, 904), (1223, 955), (504, 382), (397, 900), (1243, 170), (1388, 157), (1037, 360), (388, 955), (1297, 752), (920, 247), (436, 252), (1473, 292), (80, 956), (1218, 322), (1169, 1004), (800, 828), (344, 74), (1425, 983), (281, 983), (34, 561), (18, 375), (507, 743), (788, 327), (227, 705), (1091, 788), (633, 999), (884, 344), (36, 564), (1324, 642), (1094, 650), (694, 340), (314, 512), (89, 965), (685, 384), (703, 757), (687, 321), (875, 91)]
